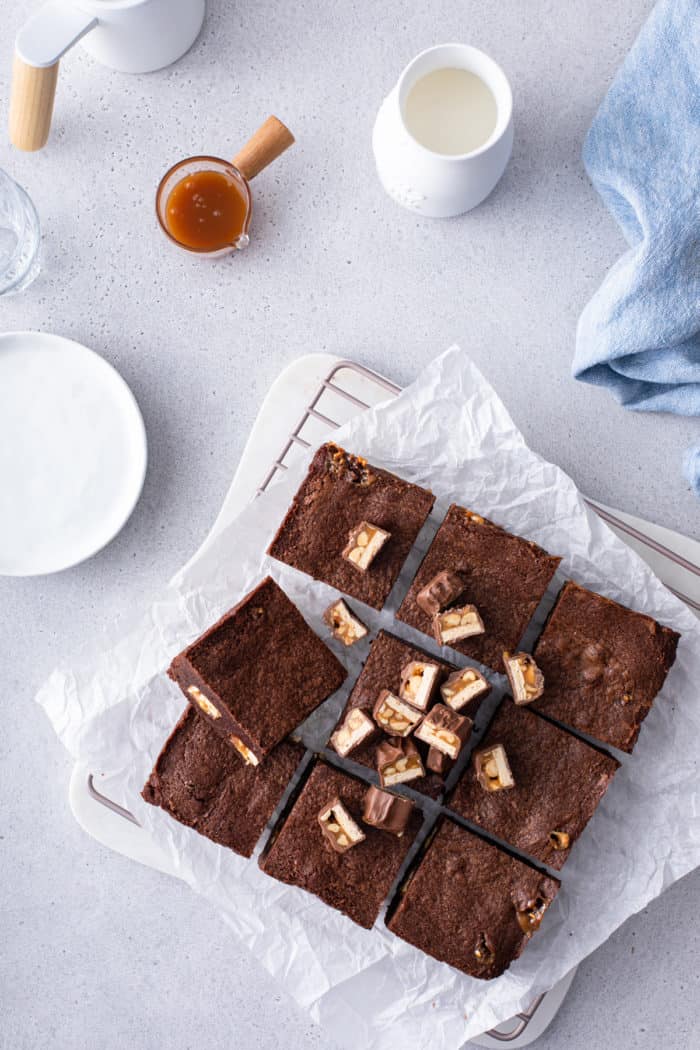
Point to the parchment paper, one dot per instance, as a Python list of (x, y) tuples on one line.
[(450, 432)]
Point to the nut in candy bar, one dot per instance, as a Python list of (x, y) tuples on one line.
[(483, 952), (443, 590), (526, 679), (560, 840), (419, 682), (386, 811), (453, 625), (357, 728), (398, 761), (364, 544), (343, 624), (393, 715), (247, 755), (530, 916), (202, 702), (339, 828), (438, 762), (492, 768), (462, 687), (445, 730)]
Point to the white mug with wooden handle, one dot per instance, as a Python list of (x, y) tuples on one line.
[(132, 36)]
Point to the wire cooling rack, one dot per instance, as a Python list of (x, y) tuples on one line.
[(350, 388)]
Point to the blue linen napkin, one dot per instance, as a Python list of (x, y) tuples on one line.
[(639, 336)]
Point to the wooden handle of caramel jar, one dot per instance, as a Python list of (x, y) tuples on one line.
[(31, 104), (271, 139)]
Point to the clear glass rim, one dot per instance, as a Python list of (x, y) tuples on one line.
[(209, 162), (12, 285)]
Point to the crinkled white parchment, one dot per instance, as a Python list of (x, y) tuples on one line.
[(450, 432)]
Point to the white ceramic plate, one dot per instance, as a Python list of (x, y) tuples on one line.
[(72, 453)]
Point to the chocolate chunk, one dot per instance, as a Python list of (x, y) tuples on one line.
[(364, 544), (526, 679), (386, 811), (398, 761), (443, 590), (456, 624), (356, 729), (445, 730), (393, 715), (492, 768), (419, 682), (344, 625), (462, 687), (339, 829), (438, 762)]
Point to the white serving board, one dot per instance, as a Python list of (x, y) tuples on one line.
[(675, 559)]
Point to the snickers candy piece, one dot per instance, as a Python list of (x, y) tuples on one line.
[(344, 625), (419, 682), (364, 544), (453, 625), (443, 590), (445, 730), (526, 679), (398, 761), (386, 811), (462, 687), (492, 768), (393, 715), (438, 762), (338, 827), (357, 728)]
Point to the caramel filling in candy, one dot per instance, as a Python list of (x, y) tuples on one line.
[(418, 683), (492, 768), (386, 811), (364, 544), (338, 827), (463, 687), (357, 727), (395, 716), (202, 702), (399, 762), (443, 590), (248, 756), (455, 624), (530, 918), (526, 679), (444, 730), (344, 626)]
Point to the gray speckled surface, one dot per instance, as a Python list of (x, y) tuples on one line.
[(97, 951)]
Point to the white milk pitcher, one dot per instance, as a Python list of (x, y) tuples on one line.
[(427, 180), (132, 36)]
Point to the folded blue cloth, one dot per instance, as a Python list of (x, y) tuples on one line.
[(639, 336)]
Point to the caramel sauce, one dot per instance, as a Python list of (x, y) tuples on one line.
[(206, 211)]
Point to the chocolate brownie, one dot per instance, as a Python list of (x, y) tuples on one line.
[(200, 780), (388, 655), (505, 577), (355, 881), (340, 492), (471, 905), (603, 665), (559, 781), (258, 672)]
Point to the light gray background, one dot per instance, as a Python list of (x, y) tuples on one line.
[(96, 951)]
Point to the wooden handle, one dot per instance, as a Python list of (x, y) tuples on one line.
[(271, 139), (31, 104)]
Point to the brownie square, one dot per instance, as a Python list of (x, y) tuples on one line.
[(559, 781), (471, 905), (388, 655), (355, 882), (258, 672), (505, 577), (603, 665), (339, 492), (201, 781)]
